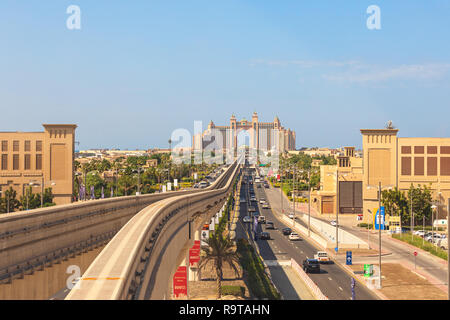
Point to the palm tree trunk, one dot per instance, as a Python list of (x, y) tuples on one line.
[(219, 285)]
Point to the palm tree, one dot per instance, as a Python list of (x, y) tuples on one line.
[(220, 251)]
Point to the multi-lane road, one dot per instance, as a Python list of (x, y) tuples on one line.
[(333, 281)]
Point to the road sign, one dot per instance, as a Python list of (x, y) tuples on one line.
[(377, 219), (415, 253), (348, 260), (368, 270)]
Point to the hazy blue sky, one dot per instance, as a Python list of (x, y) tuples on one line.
[(137, 70)]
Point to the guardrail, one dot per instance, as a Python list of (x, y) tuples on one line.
[(139, 262), (38, 236)]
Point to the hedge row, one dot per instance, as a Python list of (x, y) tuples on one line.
[(259, 283)]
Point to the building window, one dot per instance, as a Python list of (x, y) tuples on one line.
[(406, 149), (419, 149), (432, 166), (406, 166), (4, 162), (445, 166), (4, 145), (15, 162), (39, 162), (419, 166), (432, 150), (16, 146), (38, 146), (27, 162), (27, 145), (445, 150)]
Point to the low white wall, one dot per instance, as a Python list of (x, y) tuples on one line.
[(327, 231)]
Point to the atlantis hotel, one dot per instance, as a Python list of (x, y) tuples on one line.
[(261, 136)]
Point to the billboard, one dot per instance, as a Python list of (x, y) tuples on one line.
[(180, 282)]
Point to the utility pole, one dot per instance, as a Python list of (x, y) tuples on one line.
[(281, 187), (448, 252), (412, 215), (293, 194), (309, 202), (337, 209), (42, 192), (379, 228)]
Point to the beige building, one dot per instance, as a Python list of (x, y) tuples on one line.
[(400, 162), (349, 173), (36, 157), (263, 136)]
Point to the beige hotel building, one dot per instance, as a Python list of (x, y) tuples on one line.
[(36, 157), (263, 136), (400, 162)]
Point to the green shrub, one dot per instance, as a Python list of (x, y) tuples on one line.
[(364, 225), (238, 291), (258, 282)]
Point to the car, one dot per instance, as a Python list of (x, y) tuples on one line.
[(243, 200), (294, 236), (322, 257), (264, 236), (266, 206), (266, 186), (311, 265), (262, 201), (262, 219), (333, 222), (251, 209), (286, 231), (258, 185), (269, 225), (442, 243), (247, 219), (291, 216), (419, 233), (430, 237)]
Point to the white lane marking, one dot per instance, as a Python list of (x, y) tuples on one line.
[(329, 278), (341, 289), (52, 298), (66, 290)]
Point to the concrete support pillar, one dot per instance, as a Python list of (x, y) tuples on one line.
[(193, 272)]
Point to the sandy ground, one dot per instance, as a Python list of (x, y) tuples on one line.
[(400, 283)]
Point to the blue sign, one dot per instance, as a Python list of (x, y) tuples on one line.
[(377, 220), (336, 249), (348, 260)]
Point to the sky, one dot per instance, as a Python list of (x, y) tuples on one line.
[(138, 70)]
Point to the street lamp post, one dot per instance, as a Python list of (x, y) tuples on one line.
[(379, 222), (433, 208), (293, 194), (448, 252), (309, 203), (281, 187), (337, 207), (379, 229)]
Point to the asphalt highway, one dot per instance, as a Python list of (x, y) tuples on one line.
[(334, 282)]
